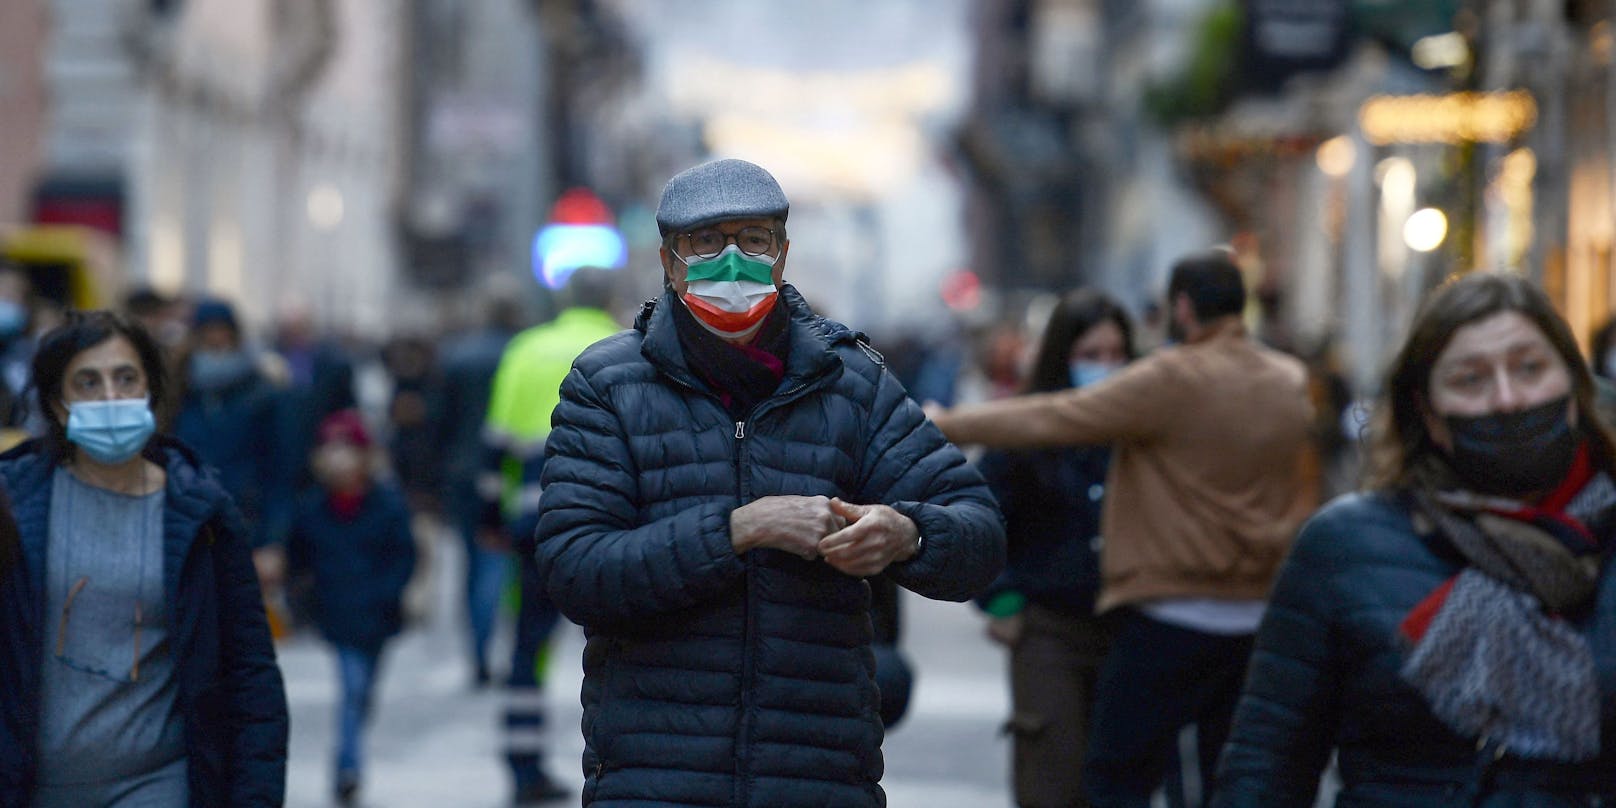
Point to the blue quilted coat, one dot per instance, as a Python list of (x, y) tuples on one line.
[(1324, 677), (716, 679), (230, 687)]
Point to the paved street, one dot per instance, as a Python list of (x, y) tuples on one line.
[(434, 741)]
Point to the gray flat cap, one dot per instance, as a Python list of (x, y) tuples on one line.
[(719, 190)]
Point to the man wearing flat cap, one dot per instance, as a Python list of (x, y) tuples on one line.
[(719, 482)]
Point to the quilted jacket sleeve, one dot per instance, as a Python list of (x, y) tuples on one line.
[(910, 466), (1285, 724), (599, 567)]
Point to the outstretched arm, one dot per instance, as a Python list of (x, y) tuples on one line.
[(1128, 406)]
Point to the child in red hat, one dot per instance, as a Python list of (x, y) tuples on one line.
[(351, 534)]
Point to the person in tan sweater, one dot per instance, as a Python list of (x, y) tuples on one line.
[(1202, 500)]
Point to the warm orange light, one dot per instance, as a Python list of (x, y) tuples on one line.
[(1452, 118)]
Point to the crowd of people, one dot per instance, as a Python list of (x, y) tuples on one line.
[(728, 492)]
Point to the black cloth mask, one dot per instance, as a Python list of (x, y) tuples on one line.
[(1514, 453)]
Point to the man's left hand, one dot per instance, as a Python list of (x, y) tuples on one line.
[(875, 536)]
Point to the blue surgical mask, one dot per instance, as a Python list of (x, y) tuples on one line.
[(1087, 373), (13, 318), (110, 431)]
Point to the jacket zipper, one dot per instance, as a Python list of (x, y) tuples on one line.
[(744, 729), (743, 733)]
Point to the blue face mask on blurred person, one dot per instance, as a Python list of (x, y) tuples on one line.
[(110, 431), (214, 370), (13, 319), (1087, 373)]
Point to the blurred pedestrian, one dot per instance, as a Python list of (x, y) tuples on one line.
[(1602, 351), (469, 363), (718, 483), (167, 319), (228, 415), (351, 534), (135, 660), (1202, 501), (526, 390), (17, 422), (413, 422), (1042, 608), (315, 379), (1602, 356), (1448, 631), (894, 676)]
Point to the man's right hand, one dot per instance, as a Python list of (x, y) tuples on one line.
[(790, 523)]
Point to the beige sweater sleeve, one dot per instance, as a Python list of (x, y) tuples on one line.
[(1130, 406)]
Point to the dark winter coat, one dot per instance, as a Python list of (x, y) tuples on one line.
[(230, 689), (1324, 676), (1051, 504), (359, 566), (236, 430), (717, 679)]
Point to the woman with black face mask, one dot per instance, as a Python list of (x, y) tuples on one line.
[(1451, 631)]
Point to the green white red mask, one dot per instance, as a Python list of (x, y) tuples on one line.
[(731, 293)]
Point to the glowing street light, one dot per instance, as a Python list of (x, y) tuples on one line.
[(325, 206), (1425, 230), (1336, 156)]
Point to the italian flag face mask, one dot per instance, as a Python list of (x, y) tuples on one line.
[(730, 294)]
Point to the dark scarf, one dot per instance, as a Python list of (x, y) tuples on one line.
[(1489, 651), (741, 375)]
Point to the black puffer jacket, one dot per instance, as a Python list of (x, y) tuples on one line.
[(717, 679), (1324, 676)]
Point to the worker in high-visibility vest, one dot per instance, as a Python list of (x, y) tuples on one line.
[(526, 388)]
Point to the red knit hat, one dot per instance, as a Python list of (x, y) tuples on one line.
[(345, 426)]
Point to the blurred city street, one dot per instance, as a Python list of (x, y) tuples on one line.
[(435, 741), (1171, 274)]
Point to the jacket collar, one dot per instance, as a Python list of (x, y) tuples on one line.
[(192, 497)]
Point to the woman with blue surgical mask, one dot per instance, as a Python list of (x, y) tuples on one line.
[(135, 658), (1042, 607)]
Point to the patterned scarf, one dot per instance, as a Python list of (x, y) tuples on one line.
[(742, 375), (1490, 651)]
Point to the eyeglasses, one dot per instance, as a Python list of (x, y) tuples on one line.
[(708, 242)]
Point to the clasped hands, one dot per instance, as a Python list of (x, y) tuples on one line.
[(858, 540)]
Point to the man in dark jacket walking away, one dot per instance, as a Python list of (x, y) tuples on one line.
[(719, 482)]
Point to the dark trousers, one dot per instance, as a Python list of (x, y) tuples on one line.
[(524, 707), (1157, 679), (485, 574), (1054, 668)]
